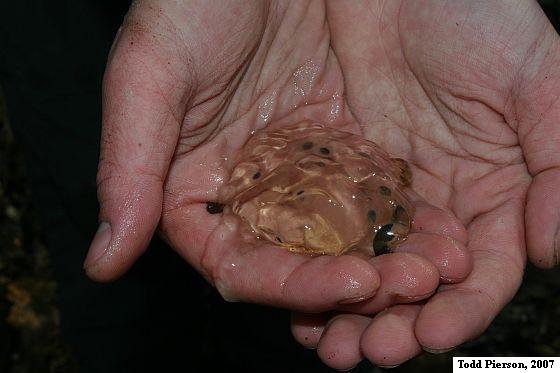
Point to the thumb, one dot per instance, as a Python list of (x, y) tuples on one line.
[(538, 113), (144, 101)]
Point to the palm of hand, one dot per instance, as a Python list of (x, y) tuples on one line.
[(463, 153), (430, 92)]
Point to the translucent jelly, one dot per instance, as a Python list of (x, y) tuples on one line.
[(316, 190)]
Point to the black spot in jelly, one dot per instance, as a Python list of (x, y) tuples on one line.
[(324, 151), (384, 190), (381, 238), (363, 154), (279, 239), (256, 175), (300, 192), (214, 207), (307, 145), (372, 216), (380, 248), (400, 214), (384, 234)]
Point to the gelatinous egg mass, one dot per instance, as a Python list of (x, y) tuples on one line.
[(313, 189)]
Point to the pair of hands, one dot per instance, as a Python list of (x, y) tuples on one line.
[(467, 92)]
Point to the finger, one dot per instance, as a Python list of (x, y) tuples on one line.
[(271, 275), (461, 312), (339, 347), (535, 110), (144, 101), (440, 237), (449, 256), (264, 273), (389, 340), (405, 278), (430, 219), (542, 217), (307, 328)]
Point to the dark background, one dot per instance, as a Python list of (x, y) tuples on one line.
[(161, 315)]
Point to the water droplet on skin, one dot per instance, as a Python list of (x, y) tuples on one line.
[(217, 179), (409, 280), (303, 81), (351, 282), (336, 107), (266, 107)]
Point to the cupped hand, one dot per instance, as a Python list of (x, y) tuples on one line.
[(469, 92), (186, 84)]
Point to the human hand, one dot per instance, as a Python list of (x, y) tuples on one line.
[(468, 92), (185, 86)]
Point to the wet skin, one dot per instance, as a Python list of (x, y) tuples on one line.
[(466, 91)]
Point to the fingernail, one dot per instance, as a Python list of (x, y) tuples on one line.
[(99, 245), (388, 366), (358, 287), (437, 351), (357, 299), (115, 40), (347, 370)]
